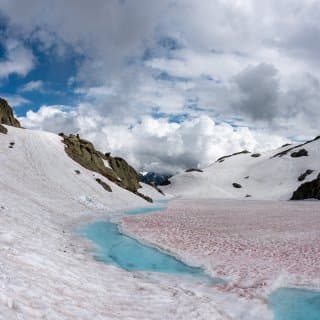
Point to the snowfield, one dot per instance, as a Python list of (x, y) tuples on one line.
[(261, 176), (47, 270), (256, 245)]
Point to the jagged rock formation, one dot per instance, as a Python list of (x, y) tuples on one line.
[(129, 177), (119, 172), (6, 115), (308, 190)]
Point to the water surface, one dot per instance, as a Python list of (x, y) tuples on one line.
[(144, 210), (295, 304), (116, 248)]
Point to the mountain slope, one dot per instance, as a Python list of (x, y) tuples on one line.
[(272, 175), (35, 166)]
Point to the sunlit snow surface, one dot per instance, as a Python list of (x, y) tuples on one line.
[(47, 271)]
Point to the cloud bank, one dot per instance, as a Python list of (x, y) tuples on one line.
[(175, 83)]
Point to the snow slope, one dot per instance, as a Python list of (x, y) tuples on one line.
[(38, 168), (47, 270), (264, 177)]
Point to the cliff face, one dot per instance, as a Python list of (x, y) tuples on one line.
[(116, 170), (6, 115)]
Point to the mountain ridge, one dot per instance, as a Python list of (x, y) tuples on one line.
[(108, 171), (289, 172)]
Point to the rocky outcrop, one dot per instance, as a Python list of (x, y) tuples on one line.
[(255, 155), (308, 190), (116, 169), (283, 153), (83, 152), (6, 115), (3, 129), (104, 185), (194, 170), (237, 185), (300, 153), (128, 176), (304, 175), (232, 155)]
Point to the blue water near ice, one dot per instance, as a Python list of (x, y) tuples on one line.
[(116, 248), (295, 304), (144, 210)]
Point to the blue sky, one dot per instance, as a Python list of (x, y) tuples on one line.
[(52, 71), (165, 84)]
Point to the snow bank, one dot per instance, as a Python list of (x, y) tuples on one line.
[(261, 176)]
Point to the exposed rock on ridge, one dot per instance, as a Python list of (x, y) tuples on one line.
[(120, 172), (6, 115), (308, 190), (129, 177)]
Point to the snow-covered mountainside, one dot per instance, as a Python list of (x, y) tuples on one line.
[(271, 175), (35, 167)]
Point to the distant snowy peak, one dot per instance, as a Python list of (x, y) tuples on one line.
[(290, 172), (153, 178)]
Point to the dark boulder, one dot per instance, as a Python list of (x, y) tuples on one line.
[(308, 190), (255, 155), (304, 175), (104, 185), (237, 185), (6, 115), (300, 153), (194, 170)]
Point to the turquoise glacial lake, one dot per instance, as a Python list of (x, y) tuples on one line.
[(116, 248), (295, 304)]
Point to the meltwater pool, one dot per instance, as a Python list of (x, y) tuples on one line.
[(116, 248)]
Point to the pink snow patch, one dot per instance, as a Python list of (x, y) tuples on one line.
[(254, 244)]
